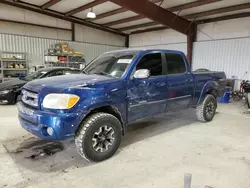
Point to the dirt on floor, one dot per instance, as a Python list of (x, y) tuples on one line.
[(156, 152)]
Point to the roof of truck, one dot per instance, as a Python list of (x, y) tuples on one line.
[(145, 50), (57, 68)]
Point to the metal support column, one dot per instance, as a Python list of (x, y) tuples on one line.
[(127, 41), (191, 38), (73, 38)]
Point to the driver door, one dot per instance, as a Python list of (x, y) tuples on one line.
[(148, 96)]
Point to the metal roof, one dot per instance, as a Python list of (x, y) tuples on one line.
[(112, 17)]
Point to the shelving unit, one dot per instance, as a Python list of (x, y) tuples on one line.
[(68, 61), (12, 65)]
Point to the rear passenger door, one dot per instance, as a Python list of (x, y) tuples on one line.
[(180, 82)]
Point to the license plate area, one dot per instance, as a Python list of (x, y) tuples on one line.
[(25, 110)]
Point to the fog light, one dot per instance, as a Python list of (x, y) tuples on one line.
[(50, 131)]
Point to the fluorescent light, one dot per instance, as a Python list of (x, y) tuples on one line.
[(91, 14)]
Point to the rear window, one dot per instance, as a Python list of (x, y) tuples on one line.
[(175, 63)]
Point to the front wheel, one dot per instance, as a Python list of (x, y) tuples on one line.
[(98, 137), (206, 110)]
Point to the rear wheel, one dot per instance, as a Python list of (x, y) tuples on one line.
[(206, 110), (98, 137)]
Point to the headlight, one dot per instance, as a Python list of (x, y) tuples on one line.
[(60, 101), (5, 91)]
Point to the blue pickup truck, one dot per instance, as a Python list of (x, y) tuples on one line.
[(115, 89)]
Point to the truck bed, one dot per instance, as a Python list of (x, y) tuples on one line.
[(204, 79)]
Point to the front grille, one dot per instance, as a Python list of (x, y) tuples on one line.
[(30, 98), (28, 121)]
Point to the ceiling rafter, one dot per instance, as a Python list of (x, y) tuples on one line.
[(218, 11), (110, 13), (209, 20), (116, 11), (138, 26), (192, 5), (84, 7), (172, 9), (202, 14), (49, 4), (58, 15), (148, 9), (149, 30), (130, 19), (223, 18)]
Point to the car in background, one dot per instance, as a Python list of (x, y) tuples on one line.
[(9, 90)]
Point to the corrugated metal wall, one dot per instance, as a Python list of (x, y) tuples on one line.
[(36, 47), (163, 39), (231, 56)]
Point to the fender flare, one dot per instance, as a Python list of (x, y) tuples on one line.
[(210, 85), (106, 104)]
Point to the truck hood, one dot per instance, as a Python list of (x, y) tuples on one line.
[(66, 81)]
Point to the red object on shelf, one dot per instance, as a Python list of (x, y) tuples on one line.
[(62, 59)]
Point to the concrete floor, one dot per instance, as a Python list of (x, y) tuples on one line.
[(154, 153)]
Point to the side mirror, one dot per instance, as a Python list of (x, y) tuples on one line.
[(142, 73)]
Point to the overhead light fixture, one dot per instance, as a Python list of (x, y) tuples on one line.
[(91, 14)]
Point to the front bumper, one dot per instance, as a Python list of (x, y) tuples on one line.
[(64, 125)]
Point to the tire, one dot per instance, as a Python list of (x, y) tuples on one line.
[(237, 96), (88, 141), (204, 107), (14, 100)]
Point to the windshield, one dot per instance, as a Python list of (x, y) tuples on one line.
[(111, 64), (35, 75)]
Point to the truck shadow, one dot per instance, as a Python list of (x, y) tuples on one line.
[(150, 127), (35, 155)]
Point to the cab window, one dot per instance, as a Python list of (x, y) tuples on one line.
[(175, 63), (152, 62)]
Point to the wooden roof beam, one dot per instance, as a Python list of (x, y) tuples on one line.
[(58, 15), (130, 19), (172, 9), (209, 20), (149, 10), (138, 26), (191, 5), (106, 14), (49, 4), (149, 30), (84, 7), (113, 12), (223, 18), (218, 11), (202, 14)]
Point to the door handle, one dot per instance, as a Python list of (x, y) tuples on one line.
[(189, 80)]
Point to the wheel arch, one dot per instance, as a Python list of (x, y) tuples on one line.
[(211, 88), (110, 109)]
